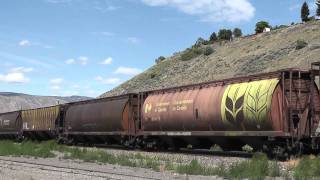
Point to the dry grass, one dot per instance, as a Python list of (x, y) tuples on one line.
[(248, 55)]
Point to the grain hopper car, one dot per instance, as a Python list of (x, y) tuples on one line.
[(276, 111)]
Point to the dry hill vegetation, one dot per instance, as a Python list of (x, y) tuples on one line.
[(287, 47)]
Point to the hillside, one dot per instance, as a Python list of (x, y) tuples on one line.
[(16, 101), (243, 56)]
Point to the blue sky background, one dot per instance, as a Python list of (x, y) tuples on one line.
[(87, 47)]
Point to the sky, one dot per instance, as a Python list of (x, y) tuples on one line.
[(87, 47)]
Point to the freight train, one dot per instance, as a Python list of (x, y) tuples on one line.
[(277, 112)]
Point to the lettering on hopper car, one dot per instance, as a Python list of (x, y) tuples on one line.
[(148, 108), (4, 122), (163, 104), (25, 125), (186, 101), (155, 118), (180, 108), (181, 105), (161, 109)]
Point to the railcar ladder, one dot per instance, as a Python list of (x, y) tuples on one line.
[(315, 72), (315, 69)]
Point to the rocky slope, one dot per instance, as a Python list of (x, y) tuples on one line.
[(247, 55), (15, 101)]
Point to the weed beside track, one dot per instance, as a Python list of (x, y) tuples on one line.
[(256, 167)]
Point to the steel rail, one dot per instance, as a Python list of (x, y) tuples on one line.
[(73, 169)]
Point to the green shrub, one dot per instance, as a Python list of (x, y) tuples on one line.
[(274, 170), (160, 59), (208, 51), (256, 168), (194, 168), (190, 53), (279, 27), (153, 75), (27, 148), (225, 34), (312, 19), (237, 32), (307, 168), (300, 44), (260, 26), (200, 41)]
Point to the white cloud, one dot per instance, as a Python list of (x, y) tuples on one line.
[(70, 61), (211, 10), (107, 80), (127, 71), (133, 40), (107, 61), (24, 43), (83, 60), (37, 44), (76, 86), (106, 8), (14, 77), (21, 70), (55, 87), (56, 81)]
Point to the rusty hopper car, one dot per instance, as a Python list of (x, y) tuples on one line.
[(10, 125), (107, 120), (40, 123), (276, 111)]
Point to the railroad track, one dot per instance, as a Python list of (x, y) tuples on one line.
[(180, 151), (4, 163), (217, 153)]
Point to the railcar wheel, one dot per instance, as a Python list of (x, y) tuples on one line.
[(70, 141), (19, 138), (60, 140)]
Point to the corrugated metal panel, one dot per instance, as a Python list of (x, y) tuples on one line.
[(102, 115), (42, 119), (10, 122)]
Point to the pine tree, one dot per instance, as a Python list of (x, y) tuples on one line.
[(225, 34), (305, 12), (237, 32), (213, 37), (318, 9)]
